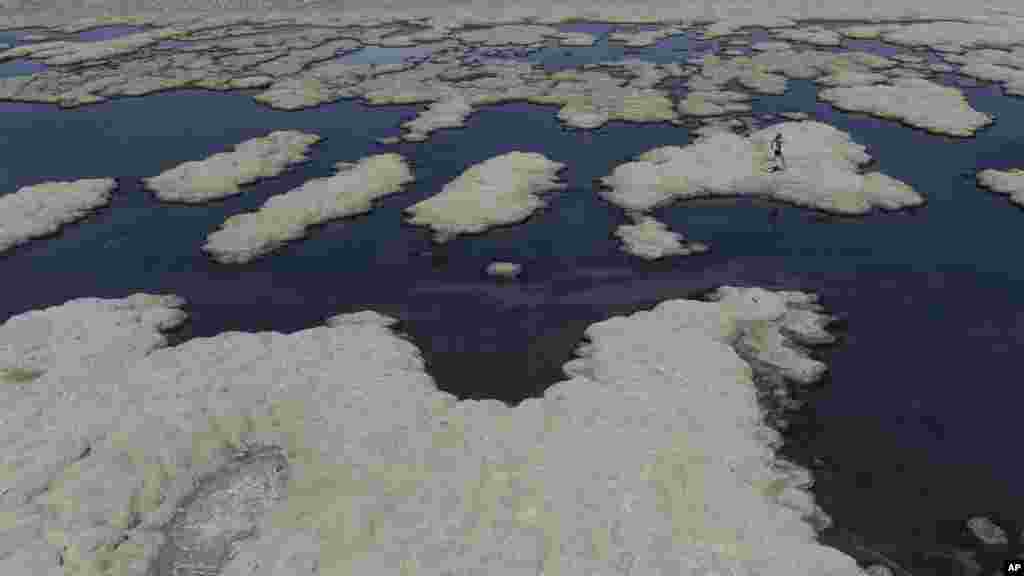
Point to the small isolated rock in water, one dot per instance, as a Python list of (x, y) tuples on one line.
[(987, 531), (877, 570), (500, 190), (286, 217), (650, 239), (41, 209), (1005, 182), (504, 269), (221, 175)]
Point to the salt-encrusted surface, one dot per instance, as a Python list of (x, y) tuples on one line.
[(221, 175), (916, 101), (1002, 66), (1009, 182), (810, 35), (41, 209), (285, 217), (504, 189), (650, 239), (821, 172), (330, 451)]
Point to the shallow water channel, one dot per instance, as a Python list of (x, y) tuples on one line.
[(907, 437)]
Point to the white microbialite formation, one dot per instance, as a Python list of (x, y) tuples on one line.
[(41, 209), (650, 239), (821, 172), (501, 190), (222, 174), (1009, 182), (287, 216), (330, 451)]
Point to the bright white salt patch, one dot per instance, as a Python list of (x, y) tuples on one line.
[(41, 209), (650, 239), (287, 216), (389, 475), (916, 101), (221, 175), (501, 190), (1009, 182), (821, 172)]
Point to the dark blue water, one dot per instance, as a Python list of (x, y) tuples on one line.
[(911, 433)]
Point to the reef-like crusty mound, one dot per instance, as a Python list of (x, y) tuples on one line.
[(500, 190), (650, 239), (330, 450), (221, 175), (41, 209), (1009, 182), (820, 172), (916, 101), (287, 216)]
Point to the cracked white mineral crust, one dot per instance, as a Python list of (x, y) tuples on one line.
[(376, 471), (501, 190), (285, 217), (821, 172), (41, 209), (649, 239), (916, 101), (221, 175), (1010, 182)]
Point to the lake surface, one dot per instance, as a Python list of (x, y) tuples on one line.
[(908, 436)]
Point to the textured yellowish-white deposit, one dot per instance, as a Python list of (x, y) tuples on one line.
[(576, 39), (449, 113), (1002, 66), (41, 209), (221, 175), (957, 36), (1009, 182), (385, 473), (642, 38), (650, 239), (505, 269), (701, 103), (916, 101), (810, 35), (500, 190), (821, 172), (286, 217)]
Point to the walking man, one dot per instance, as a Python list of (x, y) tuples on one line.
[(780, 162)]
